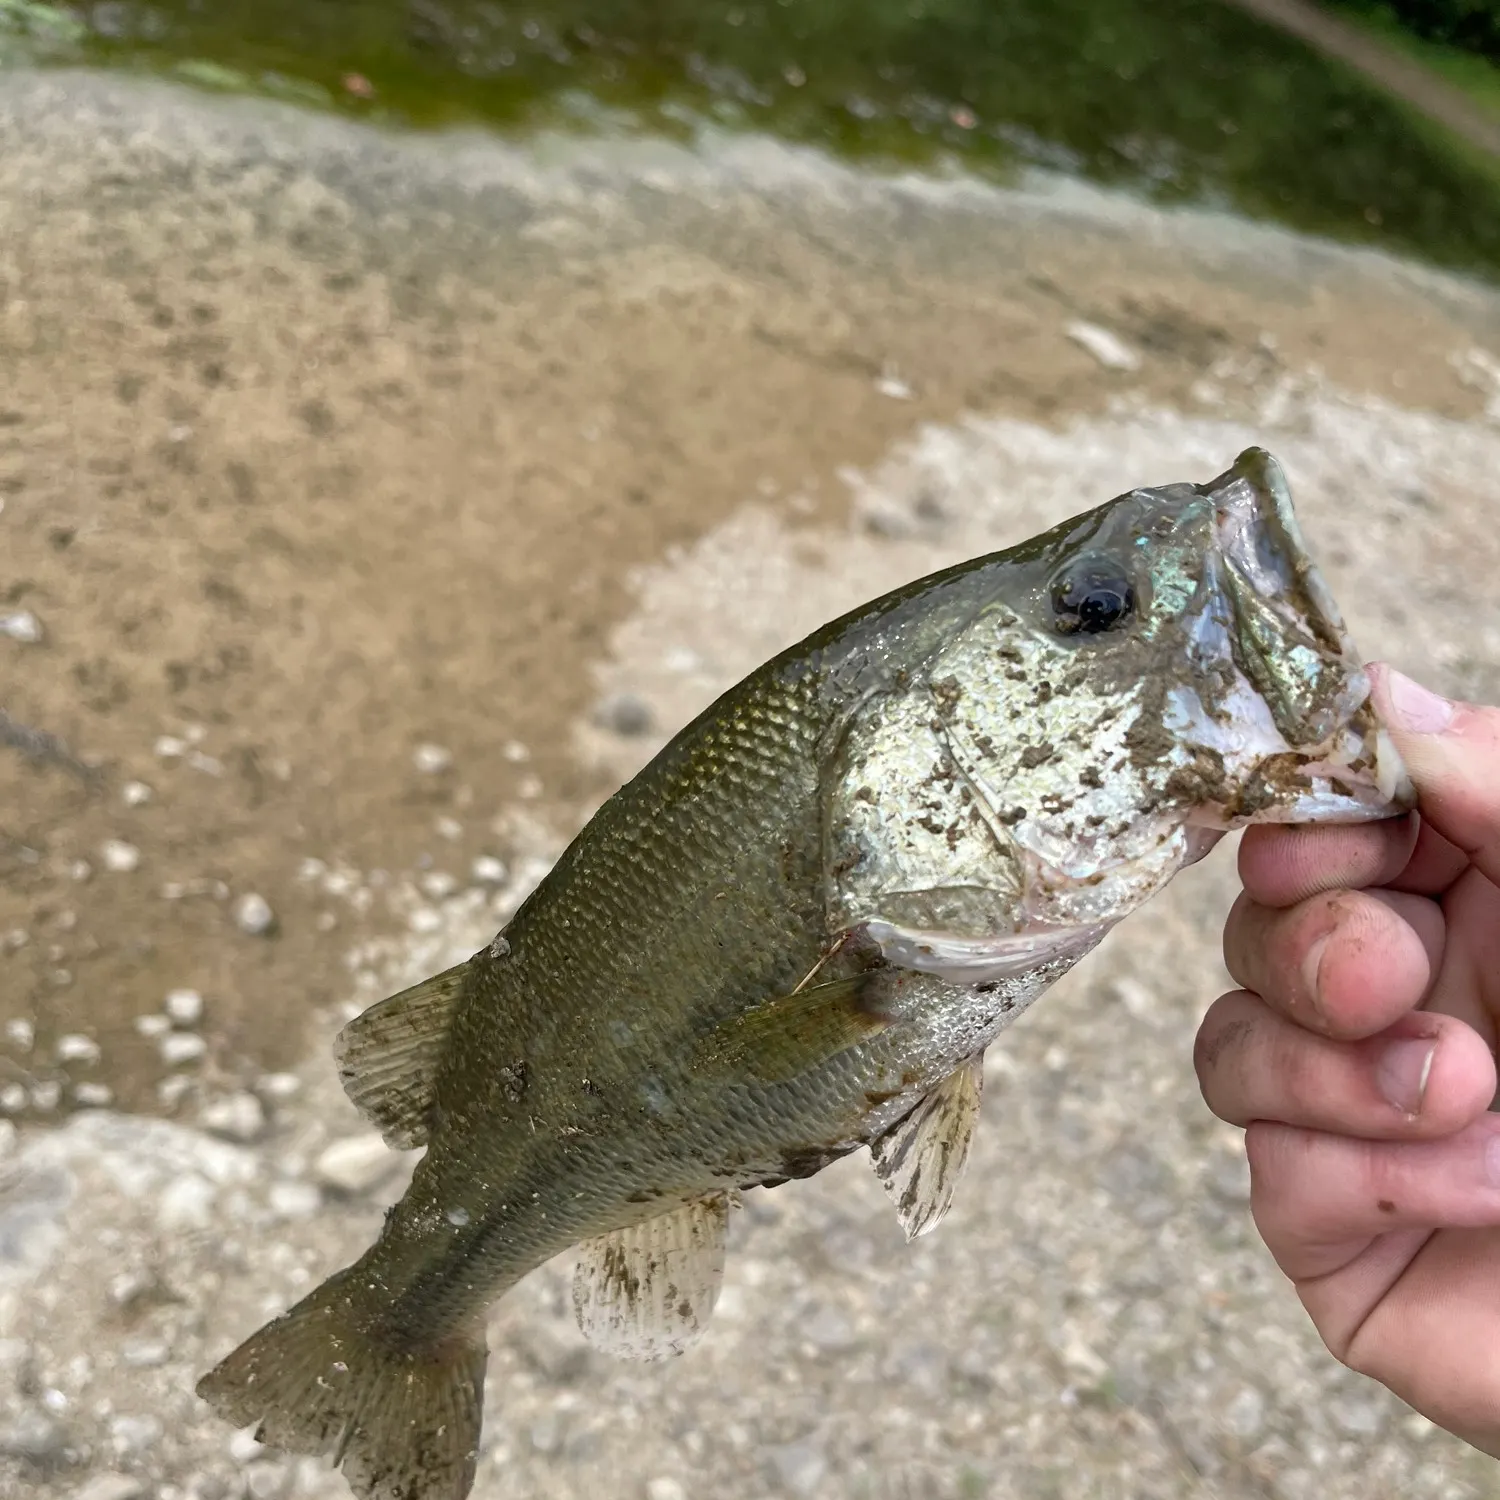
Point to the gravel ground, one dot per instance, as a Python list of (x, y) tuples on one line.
[(1096, 1317)]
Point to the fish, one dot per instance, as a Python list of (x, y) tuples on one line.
[(793, 935)]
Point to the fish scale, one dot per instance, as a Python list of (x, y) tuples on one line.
[(797, 930)]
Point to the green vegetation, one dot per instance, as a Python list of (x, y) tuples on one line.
[(1467, 69), (1182, 100)]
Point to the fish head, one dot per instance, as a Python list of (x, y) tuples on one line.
[(1136, 682)]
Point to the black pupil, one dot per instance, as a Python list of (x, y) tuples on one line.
[(1092, 599)]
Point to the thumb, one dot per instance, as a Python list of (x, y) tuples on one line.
[(1452, 752)]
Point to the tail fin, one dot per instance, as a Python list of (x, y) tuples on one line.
[(402, 1423)]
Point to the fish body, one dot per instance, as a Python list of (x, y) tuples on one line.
[(797, 930)]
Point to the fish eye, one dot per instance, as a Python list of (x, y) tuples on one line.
[(1091, 595)]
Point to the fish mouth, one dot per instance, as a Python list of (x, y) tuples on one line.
[(1304, 733)]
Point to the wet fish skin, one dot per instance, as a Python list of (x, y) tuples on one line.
[(820, 901)]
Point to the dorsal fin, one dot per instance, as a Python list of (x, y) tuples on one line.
[(388, 1057), (921, 1157), (648, 1291)]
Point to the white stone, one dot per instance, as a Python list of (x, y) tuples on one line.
[(449, 828), (239, 1117), (135, 794), (109, 1487), (431, 760), (1108, 348), (1245, 1415), (279, 1086), (356, 1164), (119, 857), (182, 1047), (132, 1434), (169, 747), (184, 1007), (152, 1026), (145, 1353), (93, 1095), (187, 1202), (21, 625), (294, 1200), (73, 1046), (243, 1447), (20, 1033), (253, 915), (488, 870), (437, 884), (46, 1094), (664, 1488), (13, 1097)]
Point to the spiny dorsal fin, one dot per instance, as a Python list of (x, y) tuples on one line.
[(920, 1158), (388, 1056), (647, 1292), (793, 1033)]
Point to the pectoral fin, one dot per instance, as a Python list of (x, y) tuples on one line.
[(647, 1292), (920, 1158), (793, 1033)]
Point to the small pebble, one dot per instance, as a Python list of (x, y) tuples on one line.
[(183, 1007), (13, 1098), (449, 828), (152, 1026), (169, 747), (10, 1139), (356, 1164), (431, 760), (279, 1086), (80, 870), (267, 1480), (109, 1487), (119, 857), (135, 794), (187, 1202), (424, 919), (437, 884), (294, 1200), (664, 1489), (253, 915), (15, 939), (34, 1435), (145, 1354), (130, 1434), (515, 752), (182, 1047), (21, 626), (488, 870), (243, 1446), (20, 1033), (46, 1094), (170, 1090), (238, 1117), (75, 1047), (626, 714), (93, 1095), (1108, 348)]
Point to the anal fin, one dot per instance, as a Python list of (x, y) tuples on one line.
[(647, 1292), (388, 1056), (920, 1158)]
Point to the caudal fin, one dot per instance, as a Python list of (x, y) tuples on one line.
[(403, 1424)]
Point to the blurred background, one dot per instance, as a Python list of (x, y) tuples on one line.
[(412, 413)]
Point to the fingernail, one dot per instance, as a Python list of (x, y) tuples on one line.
[(1313, 961), (1414, 708), (1403, 1070)]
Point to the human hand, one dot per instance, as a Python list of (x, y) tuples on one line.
[(1360, 1055)]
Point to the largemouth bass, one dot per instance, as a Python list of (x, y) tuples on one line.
[(797, 930)]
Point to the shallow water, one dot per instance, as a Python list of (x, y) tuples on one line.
[(1180, 99)]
